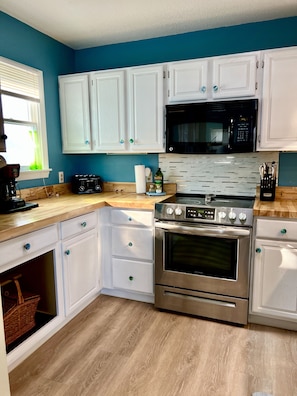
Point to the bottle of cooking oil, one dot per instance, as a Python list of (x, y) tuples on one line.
[(159, 181)]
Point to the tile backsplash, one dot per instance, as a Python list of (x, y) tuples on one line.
[(221, 174)]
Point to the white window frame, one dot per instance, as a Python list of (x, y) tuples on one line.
[(44, 172)]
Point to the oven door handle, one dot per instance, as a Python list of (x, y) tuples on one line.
[(204, 230)]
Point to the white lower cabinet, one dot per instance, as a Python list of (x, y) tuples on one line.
[(128, 263), (274, 294), (80, 261)]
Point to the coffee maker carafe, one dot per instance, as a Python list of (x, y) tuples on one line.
[(8, 195)]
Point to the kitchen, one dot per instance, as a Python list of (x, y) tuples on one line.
[(56, 59)]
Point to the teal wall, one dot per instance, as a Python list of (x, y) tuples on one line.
[(28, 46)]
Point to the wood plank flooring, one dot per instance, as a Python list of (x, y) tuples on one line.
[(118, 347)]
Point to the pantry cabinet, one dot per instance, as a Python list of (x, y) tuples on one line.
[(213, 78), (279, 100), (80, 261), (128, 260), (75, 113), (274, 291)]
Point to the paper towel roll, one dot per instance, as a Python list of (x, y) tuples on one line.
[(140, 179)]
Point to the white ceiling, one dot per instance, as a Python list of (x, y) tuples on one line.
[(90, 23)]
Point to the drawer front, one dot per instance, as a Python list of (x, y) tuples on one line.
[(132, 217), (78, 225), (134, 276), (132, 242), (25, 245), (276, 229)]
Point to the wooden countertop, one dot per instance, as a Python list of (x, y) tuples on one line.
[(55, 209), (284, 205)]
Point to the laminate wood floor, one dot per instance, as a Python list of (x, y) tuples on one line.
[(118, 347)]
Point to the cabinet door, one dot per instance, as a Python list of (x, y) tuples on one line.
[(109, 111), (81, 270), (275, 279), (145, 109), (234, 76), (187, 81), (279, 103), (75, 113)]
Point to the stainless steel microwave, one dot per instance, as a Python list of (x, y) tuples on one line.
[(212, 127)]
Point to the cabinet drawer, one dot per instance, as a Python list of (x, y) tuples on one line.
[(78, 224), (25, 245), (132, 217), (132, 242), (276, 229), (135, 276)]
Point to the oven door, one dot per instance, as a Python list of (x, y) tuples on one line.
[(199, 257)]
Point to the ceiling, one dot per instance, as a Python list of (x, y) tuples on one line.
[(90, 23)]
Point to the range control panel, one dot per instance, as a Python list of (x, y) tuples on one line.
[(200, 213)]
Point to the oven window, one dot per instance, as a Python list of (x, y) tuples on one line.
[(201, 255)]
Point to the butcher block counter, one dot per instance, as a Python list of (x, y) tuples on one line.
[(284, 205), (66, 206)]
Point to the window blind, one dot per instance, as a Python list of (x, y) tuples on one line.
[(19, 81)]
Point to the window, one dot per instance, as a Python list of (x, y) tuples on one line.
[(23, 112)]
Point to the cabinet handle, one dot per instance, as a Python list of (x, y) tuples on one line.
[(131, 140), (130, 244), (203, 89), (67, 252), (122, 141), (27, 246), (131, 278), (215, 88), (84, 224), (258, 250), (283, 231)]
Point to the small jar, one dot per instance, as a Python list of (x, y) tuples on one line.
[(152, 188)]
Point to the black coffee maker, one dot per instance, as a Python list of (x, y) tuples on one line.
[(8, 196)]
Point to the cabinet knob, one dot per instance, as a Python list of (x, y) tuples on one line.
[(203, 89), (215, 88), (67, 252), (283, 231), (130, 244), (27, 246), (131, 278), (87, 142), (130, 218), (131, 140), (84, 224), (122, 141), (258, 250)]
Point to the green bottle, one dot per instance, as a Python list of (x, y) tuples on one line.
[(159, 181)]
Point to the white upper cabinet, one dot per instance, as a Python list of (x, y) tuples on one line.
[(279, 100), (108, 110), (75, 113), (187, 81), (145, 109), (213, 78)]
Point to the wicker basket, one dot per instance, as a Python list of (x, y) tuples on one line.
[(18, 311)]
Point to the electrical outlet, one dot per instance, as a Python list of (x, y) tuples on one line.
[(61, 177)]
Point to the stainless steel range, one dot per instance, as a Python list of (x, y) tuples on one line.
[(202, 256)]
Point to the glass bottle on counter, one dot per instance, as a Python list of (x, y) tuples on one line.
[(159, 181)]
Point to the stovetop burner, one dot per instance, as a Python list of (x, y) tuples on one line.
[(211, 208)]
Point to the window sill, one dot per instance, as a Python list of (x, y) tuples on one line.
[(34, 174)]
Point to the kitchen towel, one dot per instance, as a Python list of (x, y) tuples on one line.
[(140, 179)]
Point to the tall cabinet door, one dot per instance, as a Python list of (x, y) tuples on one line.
[(145, 109), (279, 103), (75, 113), (108, 111), (234, 76)]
